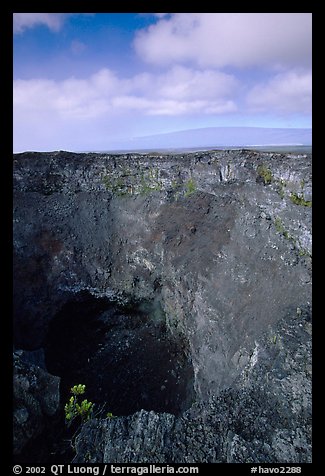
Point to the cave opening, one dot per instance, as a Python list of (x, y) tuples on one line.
[(125, 355)]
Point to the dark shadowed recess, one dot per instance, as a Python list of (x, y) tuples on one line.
[(124, 355)]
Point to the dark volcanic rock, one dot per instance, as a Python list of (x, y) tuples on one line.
[(265, 417), (36, 398), (221, 242)]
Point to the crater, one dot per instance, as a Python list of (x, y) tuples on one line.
[(125, 355)]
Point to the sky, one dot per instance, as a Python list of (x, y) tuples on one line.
[(95, 81)]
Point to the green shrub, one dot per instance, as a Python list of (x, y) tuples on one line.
[(298, 200), (78, 389), (76, 408), (190, 187), (265, 174)]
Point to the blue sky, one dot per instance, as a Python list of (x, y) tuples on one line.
[(95, 81)]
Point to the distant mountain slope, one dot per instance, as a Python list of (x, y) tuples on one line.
[(225, 137)]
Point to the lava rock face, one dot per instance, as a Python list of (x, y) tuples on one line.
[(36, 399), (220, 241)]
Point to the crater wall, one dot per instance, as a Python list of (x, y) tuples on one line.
[(220, 239)]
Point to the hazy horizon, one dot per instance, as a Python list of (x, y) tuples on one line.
[(213, 138)]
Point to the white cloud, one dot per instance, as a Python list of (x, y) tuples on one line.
[(228, 39), (53, 21), (285, 93), (185, 83), (23, 21), (179, 91)]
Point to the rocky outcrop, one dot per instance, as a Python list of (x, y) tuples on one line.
[(222, 241), (36, 399)]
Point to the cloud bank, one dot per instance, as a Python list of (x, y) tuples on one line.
[(285, 93), (178, 91), (228, 39)]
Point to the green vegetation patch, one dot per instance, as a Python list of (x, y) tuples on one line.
[(144, 183), (116, 185), (190, 187), (76, 407), (81, 409), (265, 173), (299, 200), (150, 182), (281, 229), (127, 184)]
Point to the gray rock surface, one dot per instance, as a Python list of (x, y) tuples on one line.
[(223, 241), (36, 398)]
